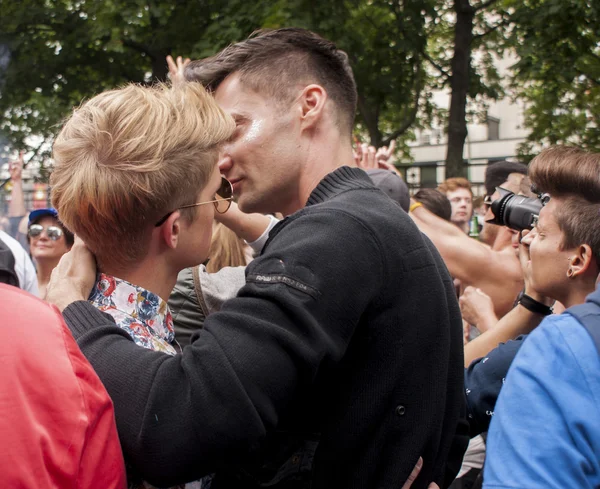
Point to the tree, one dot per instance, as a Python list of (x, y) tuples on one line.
[(558, 72), (473, 30), (64, 51)]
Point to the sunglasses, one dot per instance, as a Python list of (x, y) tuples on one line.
[(53, 232), (487, 201), (222, 201)]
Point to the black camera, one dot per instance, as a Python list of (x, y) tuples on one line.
[(515, 211)]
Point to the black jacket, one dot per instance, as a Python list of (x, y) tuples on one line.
[(341, 356)]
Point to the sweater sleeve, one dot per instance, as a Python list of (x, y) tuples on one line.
[(182, 417)]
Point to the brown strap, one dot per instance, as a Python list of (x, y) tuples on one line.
[(198, 289)]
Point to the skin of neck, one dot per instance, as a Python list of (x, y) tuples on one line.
[(325, 150), (579, 290), (152, 273)]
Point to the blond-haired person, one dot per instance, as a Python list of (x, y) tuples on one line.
[(136, 178)]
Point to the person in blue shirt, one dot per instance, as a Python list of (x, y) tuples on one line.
[(545, 429)]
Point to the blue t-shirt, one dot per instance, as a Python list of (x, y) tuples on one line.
[(545, 432)]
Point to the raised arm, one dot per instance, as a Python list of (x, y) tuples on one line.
[(498, 274), (249, 227), (520, 320), (16, 208)]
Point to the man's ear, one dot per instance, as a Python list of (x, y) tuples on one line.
[(170, 230), (582, 260), (312, 103)]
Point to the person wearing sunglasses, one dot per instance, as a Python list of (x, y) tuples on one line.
[(142, 195), (313, 375), (48, 240)]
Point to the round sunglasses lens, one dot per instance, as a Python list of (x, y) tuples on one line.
[(225, 190), (224, 196), (35, 230), (54, 233)]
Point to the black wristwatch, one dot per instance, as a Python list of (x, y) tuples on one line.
[(534, 306)]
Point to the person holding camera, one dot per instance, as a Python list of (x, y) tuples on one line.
[(547, 410)]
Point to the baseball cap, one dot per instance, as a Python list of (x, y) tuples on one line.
[(39, 213), (391, 183)]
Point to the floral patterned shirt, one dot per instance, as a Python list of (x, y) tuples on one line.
[(147, 319), (143, 314)]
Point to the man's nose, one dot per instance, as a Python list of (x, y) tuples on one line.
[(225, 163)]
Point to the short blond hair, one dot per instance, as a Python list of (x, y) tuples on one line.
[(127, 157)]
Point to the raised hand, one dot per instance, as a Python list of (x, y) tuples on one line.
[(177, 69), (526, 238), (367, 157), (15, 168), (385, 154)]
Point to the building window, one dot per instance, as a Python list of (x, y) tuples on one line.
[(493, 125)]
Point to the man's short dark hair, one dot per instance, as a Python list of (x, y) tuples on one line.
[(497, 173), (272, 62), (435, 201)]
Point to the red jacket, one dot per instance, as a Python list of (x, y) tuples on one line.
[(57, 427)]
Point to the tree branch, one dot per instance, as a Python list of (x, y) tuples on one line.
[(410, 119), (503, 23), (437, 66), (484, 5)]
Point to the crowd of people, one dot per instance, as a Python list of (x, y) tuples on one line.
[(234, 293)]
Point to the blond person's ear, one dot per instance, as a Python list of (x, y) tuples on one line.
[(170, 230)]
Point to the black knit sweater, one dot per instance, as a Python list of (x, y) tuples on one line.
[(340, 360)]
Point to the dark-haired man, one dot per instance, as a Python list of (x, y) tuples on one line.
[(340, 361)]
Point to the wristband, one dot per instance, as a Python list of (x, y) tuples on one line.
[(534, 306), (414, 206)]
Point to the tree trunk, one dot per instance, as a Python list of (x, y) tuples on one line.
[(371, 119), (459, 84), (160, 70)]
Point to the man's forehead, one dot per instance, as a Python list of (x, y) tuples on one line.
[(232, 93), (459, 191)]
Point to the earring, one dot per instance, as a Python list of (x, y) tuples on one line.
[(570, 273)]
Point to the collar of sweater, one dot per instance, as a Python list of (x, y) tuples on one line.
[(338, 181)]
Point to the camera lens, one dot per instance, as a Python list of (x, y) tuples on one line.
[(515, 211)]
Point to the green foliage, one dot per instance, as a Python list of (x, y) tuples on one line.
[(558, 72), (64, 51)]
